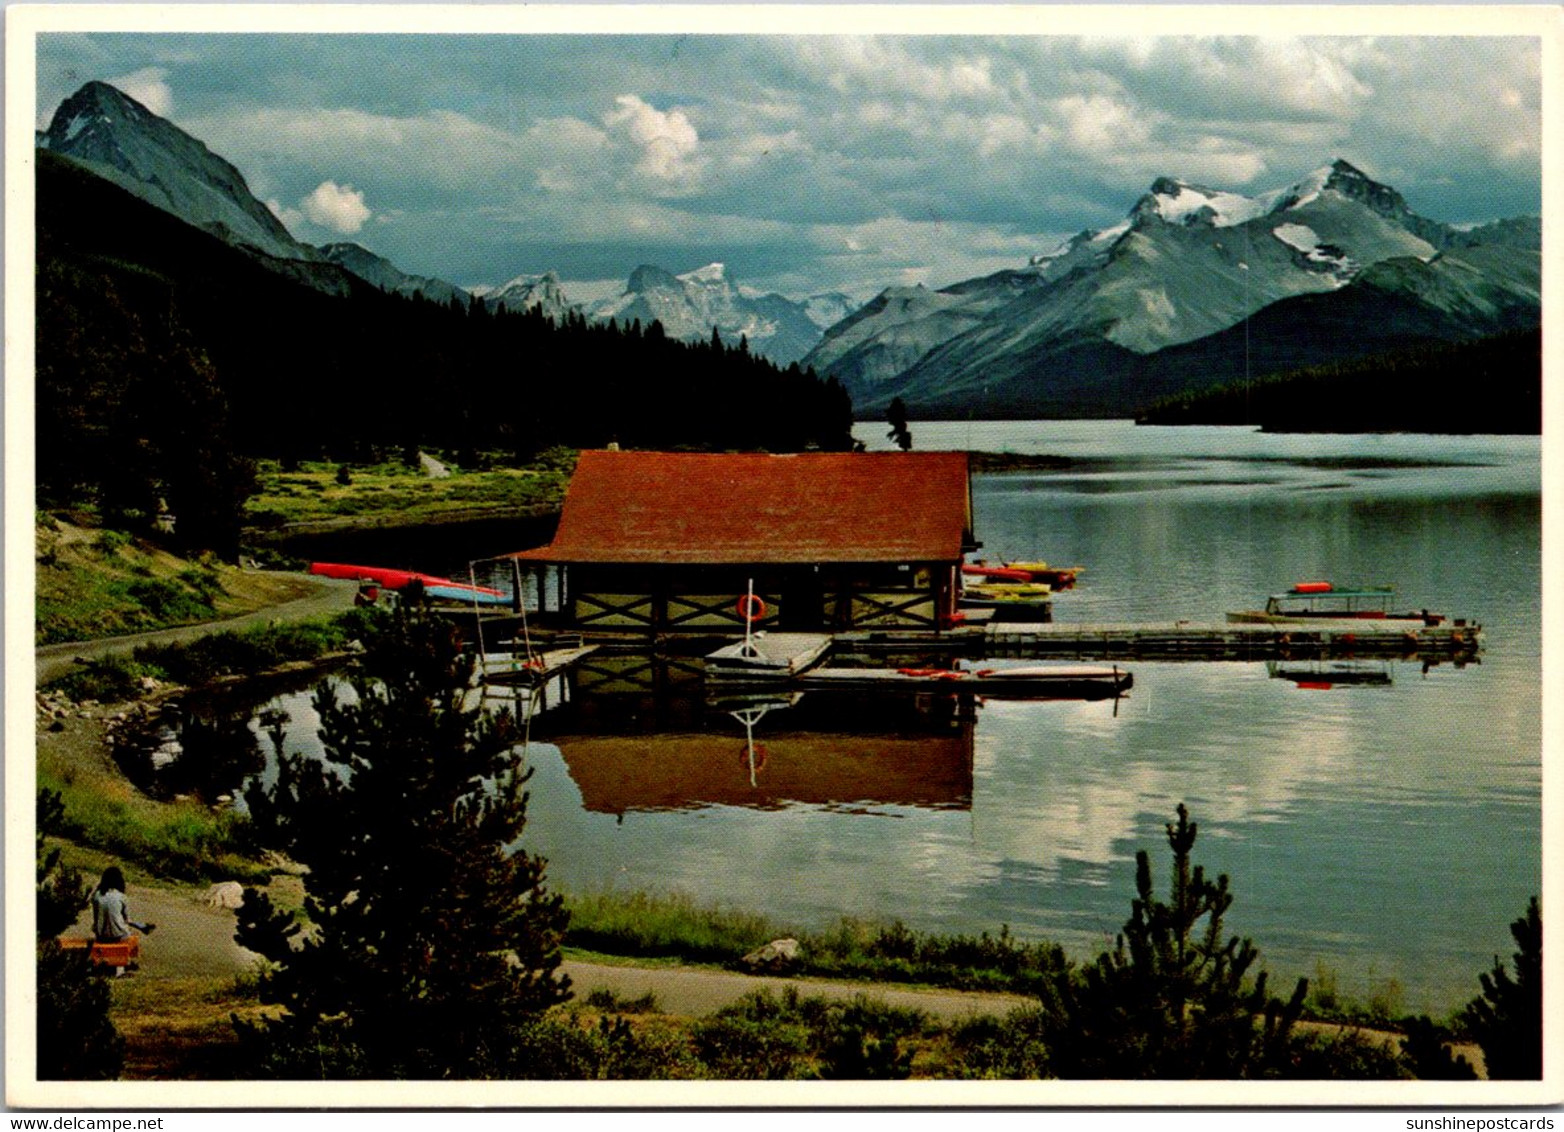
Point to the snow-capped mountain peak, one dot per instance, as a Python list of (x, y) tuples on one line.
[(1179, 202), (1188, 265), (711, 274)]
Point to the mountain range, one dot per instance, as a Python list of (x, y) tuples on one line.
[(118, 138), (1196, 287)]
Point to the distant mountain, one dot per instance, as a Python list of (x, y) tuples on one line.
[(1197, 286), (388, 277), (528, 292), (692, 305), (109, 133), (118, 138)]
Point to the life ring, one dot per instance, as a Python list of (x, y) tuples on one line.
[(751, 607), (760, 756)]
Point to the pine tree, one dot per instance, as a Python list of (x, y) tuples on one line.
[(76, 1038), (1172, 1001), (896, 417), (1507, 1017), (433, 941)]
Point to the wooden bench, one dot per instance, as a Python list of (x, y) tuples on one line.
[(120, 954)]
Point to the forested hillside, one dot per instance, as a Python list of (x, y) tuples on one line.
[(1490, 386), (165, 357)]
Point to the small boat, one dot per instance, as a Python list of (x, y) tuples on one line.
[(390, 579), (436, 588), (1323, 601), (471, 595), (984, 594), (1059, 577), (982, 569)]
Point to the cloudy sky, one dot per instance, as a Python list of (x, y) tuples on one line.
[(806, 163)]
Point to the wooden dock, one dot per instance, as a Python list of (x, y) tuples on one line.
[(1192, 640), (768, 655), (516, 668), (1059, 682)]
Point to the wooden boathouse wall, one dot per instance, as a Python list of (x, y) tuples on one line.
[(673, 542), (900, 596)]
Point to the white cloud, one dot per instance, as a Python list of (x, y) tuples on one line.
[(291, 217), (667, 139), (338, 207), (147, 86)]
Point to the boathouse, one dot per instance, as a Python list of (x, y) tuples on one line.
[(668, 542)]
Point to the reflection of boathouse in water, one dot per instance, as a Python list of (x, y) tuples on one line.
[(677, 750), (671, 542)]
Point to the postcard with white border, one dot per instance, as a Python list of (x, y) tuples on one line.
[(775, 556)]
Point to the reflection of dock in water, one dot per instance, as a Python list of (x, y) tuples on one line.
[(1323, 675), (646, 753)]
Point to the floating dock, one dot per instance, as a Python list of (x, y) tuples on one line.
[(1192, 640), (767, 656), (1053, 682), (517, 668)]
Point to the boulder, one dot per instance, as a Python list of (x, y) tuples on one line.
[(226, 894), (777, 957)]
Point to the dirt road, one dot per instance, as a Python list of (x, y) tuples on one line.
[(325, 596)]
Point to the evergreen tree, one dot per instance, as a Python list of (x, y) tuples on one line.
[(433, 941), (1506, 1018), (1426, 1051), (76, 1038), (1172, 1001), (896, 417)]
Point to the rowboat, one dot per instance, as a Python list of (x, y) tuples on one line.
[(1322, 600)]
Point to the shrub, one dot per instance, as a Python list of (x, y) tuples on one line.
[(168, 601), (1506, 1019)]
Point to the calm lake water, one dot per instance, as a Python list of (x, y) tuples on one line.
[(1387, 829)]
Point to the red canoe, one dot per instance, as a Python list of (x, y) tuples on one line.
[(393, 579)]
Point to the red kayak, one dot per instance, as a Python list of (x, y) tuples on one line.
[(394, 579), (1003, 573)]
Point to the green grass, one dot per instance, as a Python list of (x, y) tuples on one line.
[(677, 927), (391, 491), (663, 926), (249, 651), (182, 840), (228, 653), (114, 584)]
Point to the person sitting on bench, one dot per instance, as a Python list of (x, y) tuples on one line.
[(111, 922)]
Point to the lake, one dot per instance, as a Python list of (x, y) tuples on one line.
[(1380, 821)]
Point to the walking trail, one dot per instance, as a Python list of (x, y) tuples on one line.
[(194, 938), (327, 596)]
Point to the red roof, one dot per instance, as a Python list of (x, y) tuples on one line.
[(680, 507)]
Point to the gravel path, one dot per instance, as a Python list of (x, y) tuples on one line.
[(195, 938), (330, 595)]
